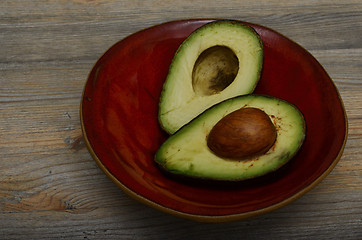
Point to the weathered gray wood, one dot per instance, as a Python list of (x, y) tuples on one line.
[(50, 187)]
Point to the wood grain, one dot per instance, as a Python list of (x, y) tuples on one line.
[(50, 188)]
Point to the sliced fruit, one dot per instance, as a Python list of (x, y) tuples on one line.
[(218, 61), (187, 152)]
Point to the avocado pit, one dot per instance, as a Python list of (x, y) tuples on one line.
[(242, 134), (214, 70)]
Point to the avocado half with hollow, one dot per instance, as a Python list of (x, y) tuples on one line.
[(187, 152), (218, 61)]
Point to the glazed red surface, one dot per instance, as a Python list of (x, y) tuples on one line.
[(120, 105)]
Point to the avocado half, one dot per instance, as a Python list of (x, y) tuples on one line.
[(218, 61), (186, 152)]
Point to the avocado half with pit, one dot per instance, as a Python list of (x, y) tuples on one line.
[(237, 139), (218, 61)]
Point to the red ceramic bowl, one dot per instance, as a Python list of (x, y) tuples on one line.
[(119, 121)]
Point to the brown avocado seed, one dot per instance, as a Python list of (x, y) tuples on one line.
[(242, 134)]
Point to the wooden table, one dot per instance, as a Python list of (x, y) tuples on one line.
[(51, 188)]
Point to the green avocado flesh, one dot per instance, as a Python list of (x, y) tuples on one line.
[(220, 60), (186, 152)]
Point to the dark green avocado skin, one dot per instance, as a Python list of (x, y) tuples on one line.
[(185, 154)]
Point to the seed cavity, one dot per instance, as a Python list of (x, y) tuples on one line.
[(214, 70)]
